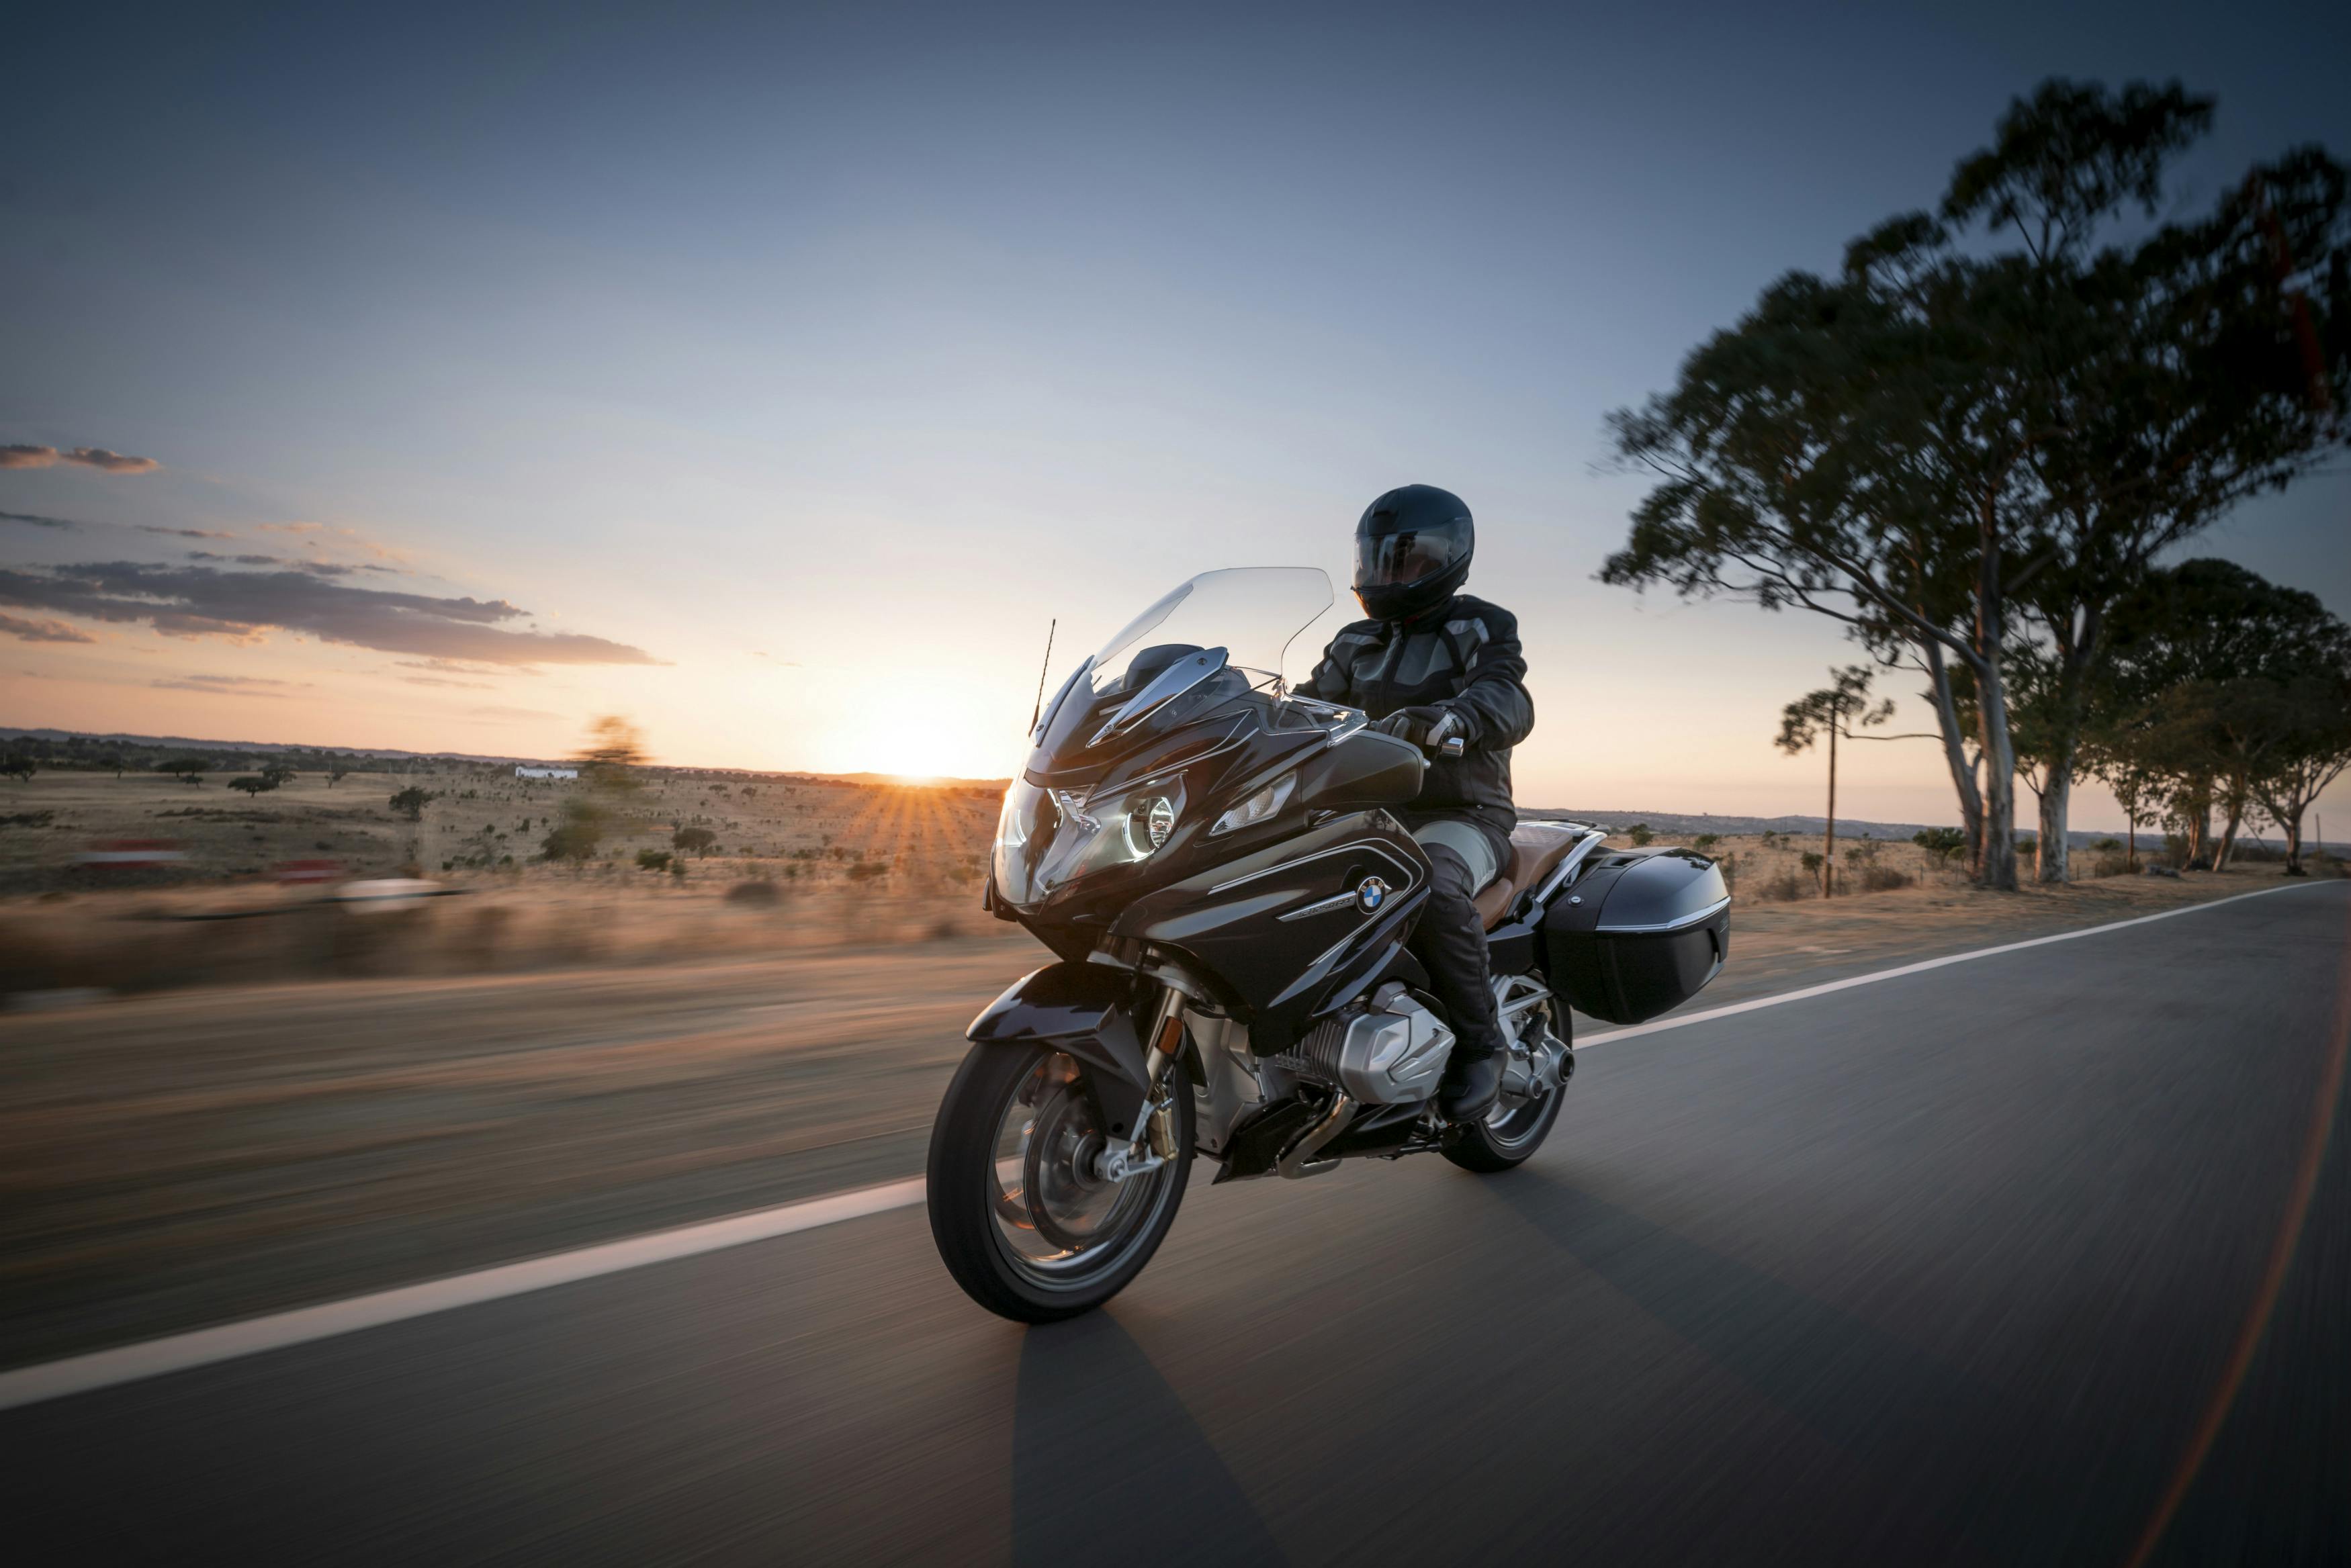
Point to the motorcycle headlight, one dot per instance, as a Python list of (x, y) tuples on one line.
[(1047, 839)]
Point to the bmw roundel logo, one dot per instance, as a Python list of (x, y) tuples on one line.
[(1369, 894)]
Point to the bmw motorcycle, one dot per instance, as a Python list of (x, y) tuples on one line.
[(1215, 860)]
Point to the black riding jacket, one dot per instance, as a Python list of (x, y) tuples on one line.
[(1464, 657)]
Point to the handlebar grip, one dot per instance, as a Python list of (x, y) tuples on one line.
[(1453, 746)]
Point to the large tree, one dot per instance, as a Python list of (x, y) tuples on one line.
[(1964, 444), (2219, 685)]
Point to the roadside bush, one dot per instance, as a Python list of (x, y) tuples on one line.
[(754, 892), (1784, 889), (1876, 878), (652, 860), (1706, 841), (1641, 834), (1943, 843)]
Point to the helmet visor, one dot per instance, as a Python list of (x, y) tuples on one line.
[(1393, 560)]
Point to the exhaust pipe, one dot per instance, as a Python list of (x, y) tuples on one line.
[(1299, 1161)]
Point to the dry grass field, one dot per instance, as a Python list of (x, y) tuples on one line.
[(791, 863)]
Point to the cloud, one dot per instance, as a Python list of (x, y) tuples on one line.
[(204, 601), (37, 521), (316, 568), (22, 456), (225, 685), (497, 712), (187, 532), (445, 681), (43, 631)]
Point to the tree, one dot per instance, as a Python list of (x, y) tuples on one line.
[(2314, 751), (253, 786), (337, 772), (2114, 752), (2216, 674), (411, 803), (187, 769), (18, 766), (1834, 710), (278, 772), (692, 840), (1949, 452)]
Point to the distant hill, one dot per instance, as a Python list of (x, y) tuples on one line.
[(1667, 824)]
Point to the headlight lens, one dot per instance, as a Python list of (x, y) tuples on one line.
[(1258, 806), (1047, 839)]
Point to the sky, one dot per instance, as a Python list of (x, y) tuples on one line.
[(776, 376)]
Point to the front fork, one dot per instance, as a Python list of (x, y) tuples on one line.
[(1154, 1142)]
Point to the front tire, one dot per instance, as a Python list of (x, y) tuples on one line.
[(1020, 1219)]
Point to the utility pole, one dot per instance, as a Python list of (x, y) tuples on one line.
[(1828, 846)]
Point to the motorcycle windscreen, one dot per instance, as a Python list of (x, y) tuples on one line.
[(1217, 638), (1218, 633)]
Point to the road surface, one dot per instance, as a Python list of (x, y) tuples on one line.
[(2040, 1258)]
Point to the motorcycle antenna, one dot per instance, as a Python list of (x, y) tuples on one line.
[(1037, 711)]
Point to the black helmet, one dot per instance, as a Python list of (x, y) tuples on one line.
[(1412, 551)]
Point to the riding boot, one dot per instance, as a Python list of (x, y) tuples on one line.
[(1451, 942)]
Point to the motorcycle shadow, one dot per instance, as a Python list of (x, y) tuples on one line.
[(1107, 1459)]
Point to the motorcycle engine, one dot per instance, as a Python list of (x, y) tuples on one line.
[(1390, 1053)]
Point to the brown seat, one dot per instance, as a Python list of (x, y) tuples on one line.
[(1493, 901), (1536, 849)]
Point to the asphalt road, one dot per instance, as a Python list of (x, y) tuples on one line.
[(2006, 1262)]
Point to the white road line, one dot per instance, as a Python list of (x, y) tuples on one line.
[(1685, 1019), (104, 1368), (180, 1352)]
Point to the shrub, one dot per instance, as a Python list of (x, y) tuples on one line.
[(1784, 889), (760, 891), (1876, 878), (652, 860), (866, 870), (1706, 841), (253, 786), (1640, 834), (1943, 843), (411, 803)]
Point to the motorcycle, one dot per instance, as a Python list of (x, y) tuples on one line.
[(1215, 862)]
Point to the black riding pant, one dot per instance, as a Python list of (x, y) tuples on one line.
[(1451, 942)]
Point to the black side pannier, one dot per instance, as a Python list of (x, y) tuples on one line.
[(1637, 932)]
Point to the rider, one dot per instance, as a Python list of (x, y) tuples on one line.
[(1430, 665)]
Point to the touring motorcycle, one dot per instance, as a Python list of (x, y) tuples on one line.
[(1215, 861)]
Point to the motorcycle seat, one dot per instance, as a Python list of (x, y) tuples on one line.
[(1493, 901), (1536, 849)]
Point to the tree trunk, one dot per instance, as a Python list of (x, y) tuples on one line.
[(2052, 860), (1955, 757), (1999, 870), (1828, 843), (2225, 850)]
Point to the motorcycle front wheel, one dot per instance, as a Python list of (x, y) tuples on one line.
[(1023, 1218)]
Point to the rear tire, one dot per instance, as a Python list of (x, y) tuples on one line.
[(1010, 1218), (1509, 1135)]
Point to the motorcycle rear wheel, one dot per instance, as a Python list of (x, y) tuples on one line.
[(1511, 1133), (1021, 1220)]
